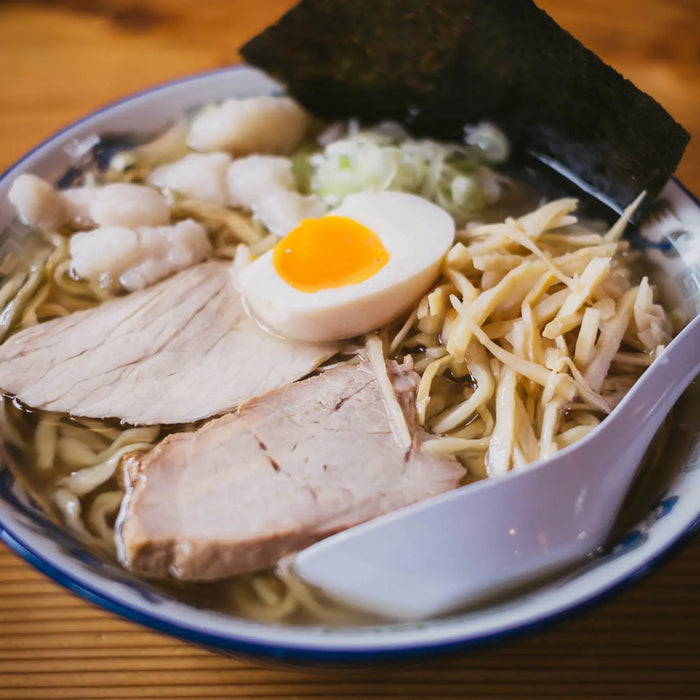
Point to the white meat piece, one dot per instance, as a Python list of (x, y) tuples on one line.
[(36, 202), (198, 175), (253, 178), (77, 203), (283, 210), (266, 186), (40, 205), (249, 125), (126, 204), (179, 351), (137, 258), (287, 469)]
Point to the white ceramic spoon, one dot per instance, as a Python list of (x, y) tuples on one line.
[(471, 543)]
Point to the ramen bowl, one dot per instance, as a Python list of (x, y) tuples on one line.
[(661, 511)]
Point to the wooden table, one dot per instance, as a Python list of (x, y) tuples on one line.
[(61, 59)]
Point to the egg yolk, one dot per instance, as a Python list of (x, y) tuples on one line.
[(333, 251)]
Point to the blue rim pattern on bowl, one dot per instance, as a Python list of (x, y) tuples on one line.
[(77, 570)]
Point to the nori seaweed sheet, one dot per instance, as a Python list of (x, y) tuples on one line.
[(441, 64)]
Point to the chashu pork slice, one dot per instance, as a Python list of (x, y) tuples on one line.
[(179, 351), (284, 471)]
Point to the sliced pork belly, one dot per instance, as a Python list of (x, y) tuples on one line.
[(287, 469), (181, 350)]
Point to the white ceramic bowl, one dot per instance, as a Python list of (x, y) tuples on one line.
[(674, 237)]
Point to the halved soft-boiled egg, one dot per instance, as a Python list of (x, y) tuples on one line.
[(352, 270)]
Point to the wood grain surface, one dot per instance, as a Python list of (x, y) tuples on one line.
[(61, 59)]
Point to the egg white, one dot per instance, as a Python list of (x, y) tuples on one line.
[(415, 233)]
